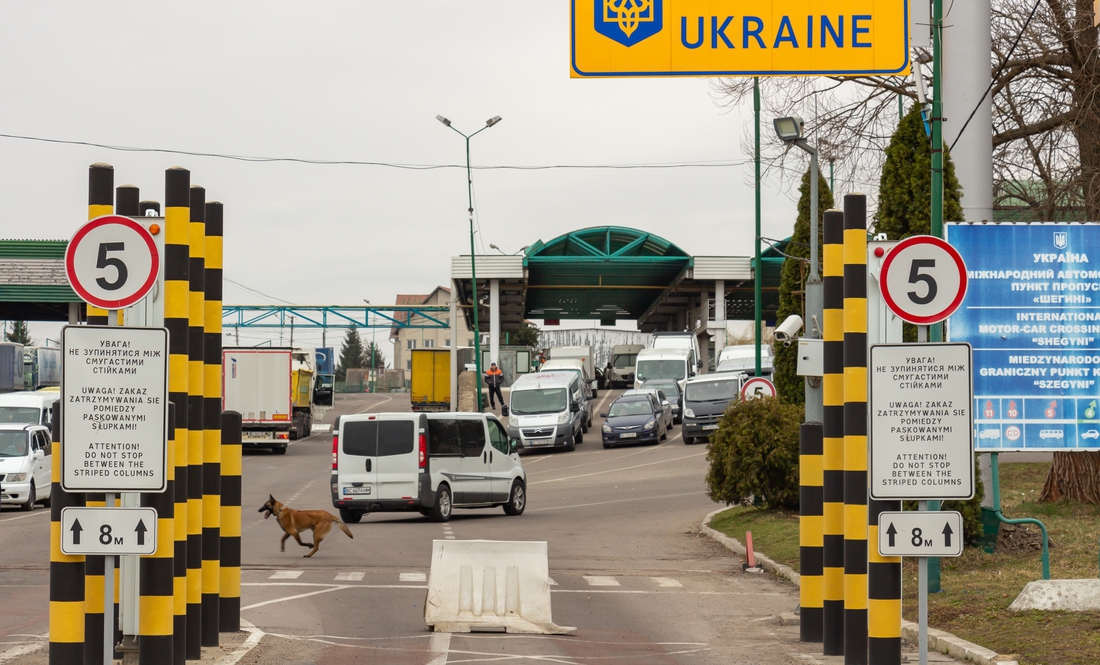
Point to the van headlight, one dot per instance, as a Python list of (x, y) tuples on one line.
[(651, 424), (15, 478), (688, 413), (563, 417)]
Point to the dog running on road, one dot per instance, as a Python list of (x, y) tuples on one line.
[(294, 522)]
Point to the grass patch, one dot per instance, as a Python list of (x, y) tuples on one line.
[(977, 588)]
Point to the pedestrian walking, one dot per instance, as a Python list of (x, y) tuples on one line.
[(494, 379)]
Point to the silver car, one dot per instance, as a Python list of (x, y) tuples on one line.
[(666, 406)]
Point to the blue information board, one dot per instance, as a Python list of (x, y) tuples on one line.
[(1032, 314)]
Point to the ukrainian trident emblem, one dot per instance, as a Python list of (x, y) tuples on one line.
[(628, 21)]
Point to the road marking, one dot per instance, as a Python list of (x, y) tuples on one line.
[(301, 595), (448, 532), (286, 575), (318, 429), (374, 405), (667, 582), (25, 648), (439, 646), (551, 581), (604, 503), (37, 513), (335, 587), (413, 577), (625, 468), (350, 577), (253, 641), (600, 580)]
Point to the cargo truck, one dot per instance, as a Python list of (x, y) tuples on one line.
[(430, 385), (272, 389), (11, 367), (584, 354), (41, 367), (325, 380)]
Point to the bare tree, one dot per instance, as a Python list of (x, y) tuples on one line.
[(1045, 70)]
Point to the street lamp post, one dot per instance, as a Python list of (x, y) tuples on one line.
[(372, 361), (789, 130), (473, 267)]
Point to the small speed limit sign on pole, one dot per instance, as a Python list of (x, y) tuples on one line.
[(112, 262), (923, 280)]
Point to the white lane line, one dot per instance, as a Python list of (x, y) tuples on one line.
[(654, 593), (601, 580), (37, 513), (604, 503), (299, 492), (364, 410), (625, 468), (301, 595), (667, 582), (334, 587), (551, 581), (439, 646), (412, 577), (25, 648), (350, 577), (286, 575), (253, 641)]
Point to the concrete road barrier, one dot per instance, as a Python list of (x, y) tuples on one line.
[(490, 585)]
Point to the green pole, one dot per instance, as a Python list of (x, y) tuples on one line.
[(758, 274), (935, 332)]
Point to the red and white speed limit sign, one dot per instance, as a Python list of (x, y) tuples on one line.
[(112, 262), (757, 387), (923, 280)]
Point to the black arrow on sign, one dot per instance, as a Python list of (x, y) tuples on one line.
[(891, 531), (76, 529), (141, 532), (947, 534)]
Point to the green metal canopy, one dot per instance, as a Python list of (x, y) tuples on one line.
[(604, 272)]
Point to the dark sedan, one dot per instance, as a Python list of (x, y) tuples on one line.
[(634, 419)]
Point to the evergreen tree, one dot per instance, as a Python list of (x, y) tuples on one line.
[(792, 286), (905, 189), (19, 333), (371, 349), (351, 354), (528, 335)]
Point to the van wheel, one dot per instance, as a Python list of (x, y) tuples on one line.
[(350, 516), (688, 440), (664, 435), (29, 505), (580, 436), (279, 450), (585, 425), (47, 502), (517, 500), (442, 510)]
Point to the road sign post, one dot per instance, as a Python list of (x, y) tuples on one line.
[(108, 531), (921, 534), (756, 388), (923, 280)]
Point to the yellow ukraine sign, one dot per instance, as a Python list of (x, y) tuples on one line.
[(739, 38)]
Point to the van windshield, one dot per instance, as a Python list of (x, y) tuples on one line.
[(13, 444), (543, 400), (20, 414), (712, 391), (624, 360), (661, 369)]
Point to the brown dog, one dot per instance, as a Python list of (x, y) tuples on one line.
[(295, 522)]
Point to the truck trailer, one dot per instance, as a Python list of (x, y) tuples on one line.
[(272, 389), (430, 385)]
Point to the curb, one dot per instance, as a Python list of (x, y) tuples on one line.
[(938, 640)]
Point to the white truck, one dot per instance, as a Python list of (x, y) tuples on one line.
[(584, 354), (742, 358), (272, 389), (622, 362)]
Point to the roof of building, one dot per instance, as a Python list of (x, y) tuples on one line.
[(406, 299)]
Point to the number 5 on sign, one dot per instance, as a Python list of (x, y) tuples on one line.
[(112, 262), (923, 280)]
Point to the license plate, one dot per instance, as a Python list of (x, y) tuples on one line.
[(259, 435), (710, 427), (356, 490), (628, 435), (538, 442)]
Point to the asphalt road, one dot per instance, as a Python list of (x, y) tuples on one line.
[(631, 571)]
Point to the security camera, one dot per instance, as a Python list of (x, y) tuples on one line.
[(789, 329)]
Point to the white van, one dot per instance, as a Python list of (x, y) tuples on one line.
[(546, 410), (679, 340), (25, 465), (663, 363), (427, 462), (623, 357), (742, 358), (585, 394), (29, 407)]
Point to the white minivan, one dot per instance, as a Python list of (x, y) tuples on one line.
[(426, 462), (547, 410), (584, 397), (28, 407), (663, 363), (25, 465)]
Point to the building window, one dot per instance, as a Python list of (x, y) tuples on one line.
[(447, 342), (470, 342), (429, 343), (409, 365), (410, 344)]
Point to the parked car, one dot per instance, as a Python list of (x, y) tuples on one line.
[(634, 419), (666, 405), (705, 400), (674, 394), (29, 407), (426, 462), (548, 410), (25, 465)]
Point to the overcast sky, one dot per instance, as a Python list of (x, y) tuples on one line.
[(361, 81)]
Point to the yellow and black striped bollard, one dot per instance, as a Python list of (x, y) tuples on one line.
[(211, 424), (833, 433), (66, 572), (230, 617), (811, 525), (157, 576)]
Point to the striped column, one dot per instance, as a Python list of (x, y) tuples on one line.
[(157, 583), (66, 572), (230, 617), (883, 593), (195, 353), (211, 423), (855, 429), (177, 234), (833, 433), (101, 196), (811, 525)]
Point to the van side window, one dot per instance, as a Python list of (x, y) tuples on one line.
[(395, 437), (498, 437), (360, 438), (47, 445), (443, 437), (473, 437)]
